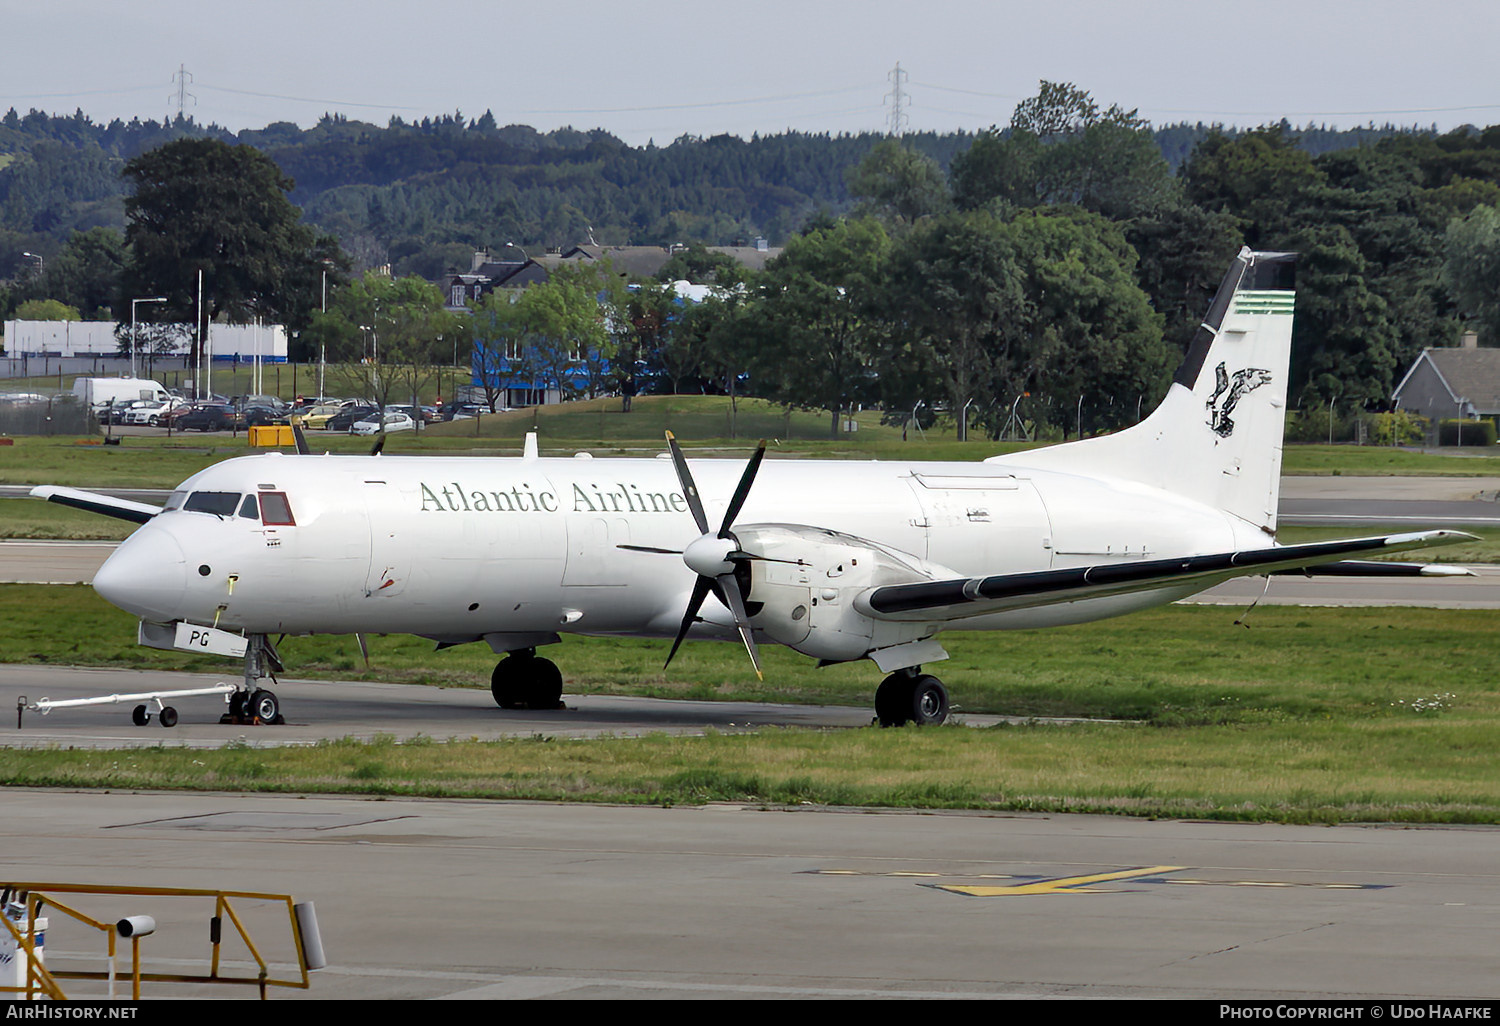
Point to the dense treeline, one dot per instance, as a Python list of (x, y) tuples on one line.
[(1040, 256), (416, 194)]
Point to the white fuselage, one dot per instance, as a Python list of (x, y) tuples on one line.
[(463, 548)]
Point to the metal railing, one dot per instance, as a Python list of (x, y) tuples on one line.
[(23, 905)]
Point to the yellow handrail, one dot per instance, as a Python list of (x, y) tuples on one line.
[(40, 981)]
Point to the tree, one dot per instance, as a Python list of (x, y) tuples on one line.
[(1061, 149), (1471, 268), (1060, 108), (998, 166), (1045, 304), (701, 267), (201, 205), (47, 310), (897, 184), (552, 335), (1261, 177), (389, 336), (812, 335), (86, 273), (1091, 326), (1344, 344)]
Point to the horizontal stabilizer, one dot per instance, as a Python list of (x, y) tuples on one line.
[(976, 596), (97, 502), (1379, 568)]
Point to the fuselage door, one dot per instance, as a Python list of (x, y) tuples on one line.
[(984, 523)]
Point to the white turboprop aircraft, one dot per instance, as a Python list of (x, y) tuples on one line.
[(837, 560)]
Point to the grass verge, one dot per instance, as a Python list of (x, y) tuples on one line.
[(1311, 715)]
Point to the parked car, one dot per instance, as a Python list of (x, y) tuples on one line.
[(342, 420), (464, 411), (259, 416), (119, 412), (394, 421), (315, 417), (173, 417), (207, 418), (151, 413), (427, 414)]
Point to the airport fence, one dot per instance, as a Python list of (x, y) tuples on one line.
[(36, 414)]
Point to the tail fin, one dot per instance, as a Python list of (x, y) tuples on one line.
[(1217, 436)]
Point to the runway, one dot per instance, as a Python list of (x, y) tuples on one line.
[(446, 899), (322, 710), (423, 899)]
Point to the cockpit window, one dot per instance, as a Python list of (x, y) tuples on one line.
[(174, 501), (222, 503), (249, 509), (274, 509)]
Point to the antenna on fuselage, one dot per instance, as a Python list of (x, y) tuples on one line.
[(529, 448)]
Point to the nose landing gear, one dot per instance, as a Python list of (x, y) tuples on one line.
[(253, 704)]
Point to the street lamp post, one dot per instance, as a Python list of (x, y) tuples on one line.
[(133, 337), (40, 264)]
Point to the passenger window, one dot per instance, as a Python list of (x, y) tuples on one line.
[(249, 508), (221, 503), (274, 509)]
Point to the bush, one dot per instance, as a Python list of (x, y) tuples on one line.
[(1466, 432), (1398, 428)]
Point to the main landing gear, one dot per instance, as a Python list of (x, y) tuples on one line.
[(524, 680), (253, 704), (911, 696)]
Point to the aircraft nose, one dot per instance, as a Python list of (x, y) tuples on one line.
[(146, 575)]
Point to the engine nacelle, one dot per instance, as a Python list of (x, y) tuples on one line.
[(802, 591)]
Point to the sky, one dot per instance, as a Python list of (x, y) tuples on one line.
[(659, 69)]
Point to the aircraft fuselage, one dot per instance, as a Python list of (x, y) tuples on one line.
[(465, 548)]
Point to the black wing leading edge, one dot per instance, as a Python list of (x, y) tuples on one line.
[(975, 596)]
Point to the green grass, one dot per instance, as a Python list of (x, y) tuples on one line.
[(1435, 771), (1176, 665), (598, 426), (28, 518), (1310, 715)]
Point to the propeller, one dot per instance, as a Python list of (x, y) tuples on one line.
[(712, 556)]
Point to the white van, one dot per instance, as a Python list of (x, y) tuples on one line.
[(100, 391)]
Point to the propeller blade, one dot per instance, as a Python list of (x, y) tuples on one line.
[(701, 587), (650, 548), (301, 439), (689, 488), (743, 489), (379, 444), (729, 589), (364, 648)]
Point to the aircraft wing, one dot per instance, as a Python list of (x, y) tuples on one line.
[(975, 596), (97, 502)]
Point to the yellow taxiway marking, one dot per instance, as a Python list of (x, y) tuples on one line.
[(1061, 885)]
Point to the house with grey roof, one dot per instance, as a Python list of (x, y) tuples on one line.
[(1453, 382)]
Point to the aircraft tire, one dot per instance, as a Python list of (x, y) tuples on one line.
[(167, 717), (508, 682), (140, 716), (929, 701), (544, 684), (264, 706), (893, 700)]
